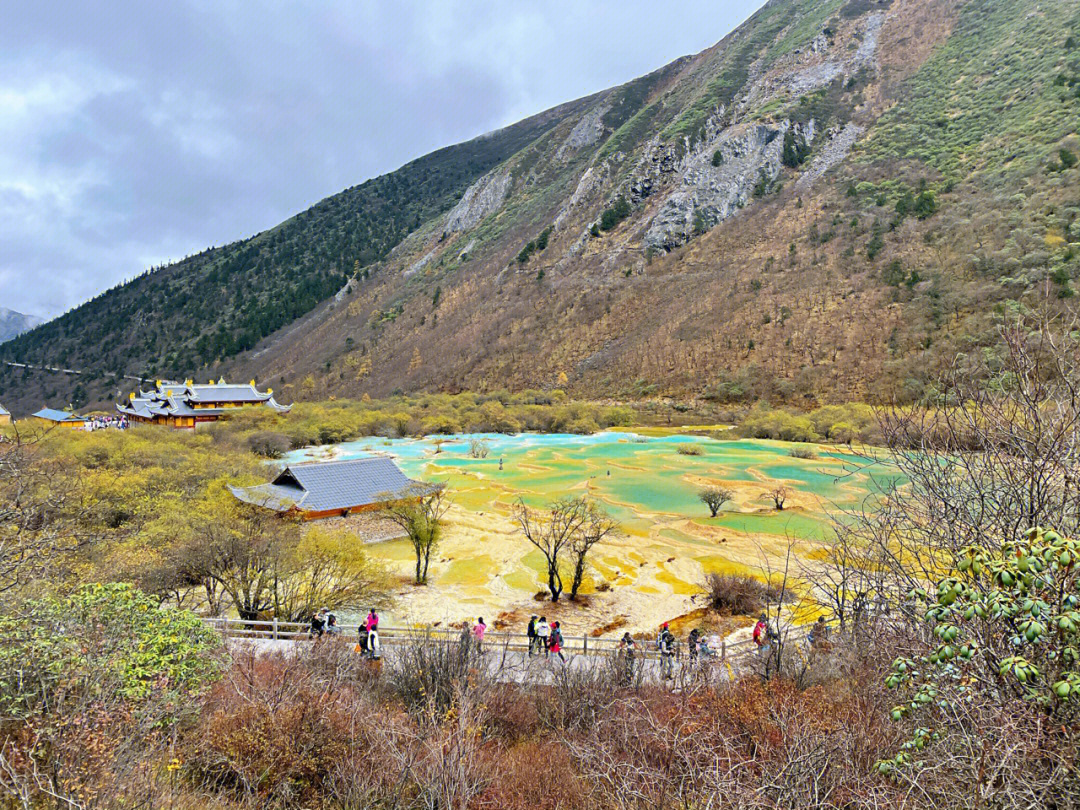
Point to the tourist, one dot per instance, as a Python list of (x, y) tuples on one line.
[(332, 628), (555, 642), (762, 634), (372, 622), (362, 639), (692, 642), (660, 634), (374, 649), (627, 650), (543, 633), (318, 623), (819, 633), (478, 633), (534, 639), (667, 654)]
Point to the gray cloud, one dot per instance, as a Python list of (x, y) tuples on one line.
[(135, 133)]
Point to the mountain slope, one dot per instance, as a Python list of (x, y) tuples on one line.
[(175, 319), (14, 323), (828, 204)]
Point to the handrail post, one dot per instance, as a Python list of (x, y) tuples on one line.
[(275, 628), (723, 649), (584, 645)]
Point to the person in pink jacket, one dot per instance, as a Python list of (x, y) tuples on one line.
[(372, 622), (478, 633)]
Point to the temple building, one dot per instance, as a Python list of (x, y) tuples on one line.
[(55, 418), (5, 416), (322, 489), (185, 405)]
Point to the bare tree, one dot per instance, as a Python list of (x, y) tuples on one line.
[(419, 511), (243, 553), (779, 591), (596, 527), (715, 498), (852, 572), (552, 532), (779, 495)]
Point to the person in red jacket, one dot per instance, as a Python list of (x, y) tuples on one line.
[(555, 642), (762, 636)]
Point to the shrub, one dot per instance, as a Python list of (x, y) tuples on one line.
[(689, 449), (526, 252), (717, 158), (796, 150), (894, 273), (738, 594), (801, 452), (926, 205), (536, 775), (875, 245), (282, 730), (1004, 625), (614, 215), (545, 235), (428, 674), (780, 425), (268, 443)]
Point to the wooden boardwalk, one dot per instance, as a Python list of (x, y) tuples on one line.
[(506, 655)]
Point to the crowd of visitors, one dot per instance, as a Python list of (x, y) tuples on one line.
[(104, 422), (546, 639)]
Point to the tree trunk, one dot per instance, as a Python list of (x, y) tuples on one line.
[(556, 589), (579, 576)]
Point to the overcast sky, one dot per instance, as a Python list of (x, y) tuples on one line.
[(134, 133)]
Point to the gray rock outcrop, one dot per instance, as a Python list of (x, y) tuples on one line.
[(587, 131), (709, 194), (482, 198), (835, 150)]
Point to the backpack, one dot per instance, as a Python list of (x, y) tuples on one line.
[(666, 641)]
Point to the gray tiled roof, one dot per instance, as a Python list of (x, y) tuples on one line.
[(321, 486), (174, 399), (4, 411), (226, 393), (271, 496)]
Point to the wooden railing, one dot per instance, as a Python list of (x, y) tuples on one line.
[(274, 629)]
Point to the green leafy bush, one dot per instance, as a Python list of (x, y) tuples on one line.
[(1006, 623), (615, 214), (106, 638)]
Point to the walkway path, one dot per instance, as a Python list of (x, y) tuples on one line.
[(506, 654)]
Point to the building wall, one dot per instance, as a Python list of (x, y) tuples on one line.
[(332, 513), (69, 425)]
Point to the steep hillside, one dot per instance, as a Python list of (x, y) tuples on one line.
[(826, 205)]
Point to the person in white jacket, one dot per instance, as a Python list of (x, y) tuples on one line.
[(543, 631)]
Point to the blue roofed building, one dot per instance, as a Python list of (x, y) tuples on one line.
[(55, 418)]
